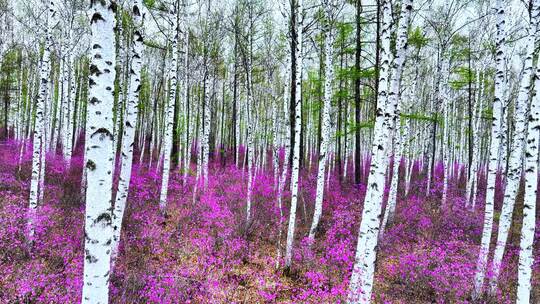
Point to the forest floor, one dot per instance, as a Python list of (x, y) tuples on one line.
[(201, 251)]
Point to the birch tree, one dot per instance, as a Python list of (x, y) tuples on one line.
[(38, 138), (128, 139), (329, 8), (361, 282), (526, 258), (98, 216), (297, 125), (170, 108), (515, 161), (394, 100)]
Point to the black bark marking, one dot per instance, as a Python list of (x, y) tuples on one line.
[(90, 165), (105, 216), (96, 17), (102, 132), (91, 259), (94, 70), (136, 11)]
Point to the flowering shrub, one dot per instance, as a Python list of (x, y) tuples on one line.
[(202, 250)]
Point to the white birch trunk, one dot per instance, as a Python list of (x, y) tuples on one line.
[(170, 112), (472, 178), (526, 258), (282, 180), (325, 133), (445, 144), (493, 152), (68, 144), (361, 282), (297, 125), (128, 139), (38, 140), (516, 152), (206, 133), (98, 214)]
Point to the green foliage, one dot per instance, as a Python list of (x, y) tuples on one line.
[(353, 127), (149, 3), (145, 91), (152, 44), (459, 47), (421, 117), (127, 21), (489, 46), (315, 84), (9, 71), (341, 94), (344, 33), (417, 39), (368, 73), (345, 73), (464, 75)]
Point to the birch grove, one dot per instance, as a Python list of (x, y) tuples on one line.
[(302, 151)]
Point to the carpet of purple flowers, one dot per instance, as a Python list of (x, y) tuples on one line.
[(200, 251)]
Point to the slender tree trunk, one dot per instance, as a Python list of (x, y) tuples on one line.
[(170, 109), (128, 139), (38, 140), (357, 92), (526, 258), (493, 153), (361, 282), (285, 169), (297, 126), (515, 161), (329, 77), (98, 218)]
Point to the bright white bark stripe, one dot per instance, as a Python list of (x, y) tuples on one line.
[(526, 258), (361, 282), (38, 140), (514, 162), (128, 139), (493, 153), (98, 214), (325, 134), (170, 111), (297, 126)]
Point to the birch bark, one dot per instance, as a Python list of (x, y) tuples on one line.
[(516, 152), (38, 140), (493, 153), (297, 126), (128, 139), (526, 258), (325, 134), (170, 111), (361, 282), (98, 214)]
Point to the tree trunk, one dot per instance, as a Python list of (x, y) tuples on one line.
[(493, 152), (526, 258), (98, 219), (38, 140), (168, 140), (329, 76), (297, 125), (357, 93), (361, 282), (515, 161), (129, 127)]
